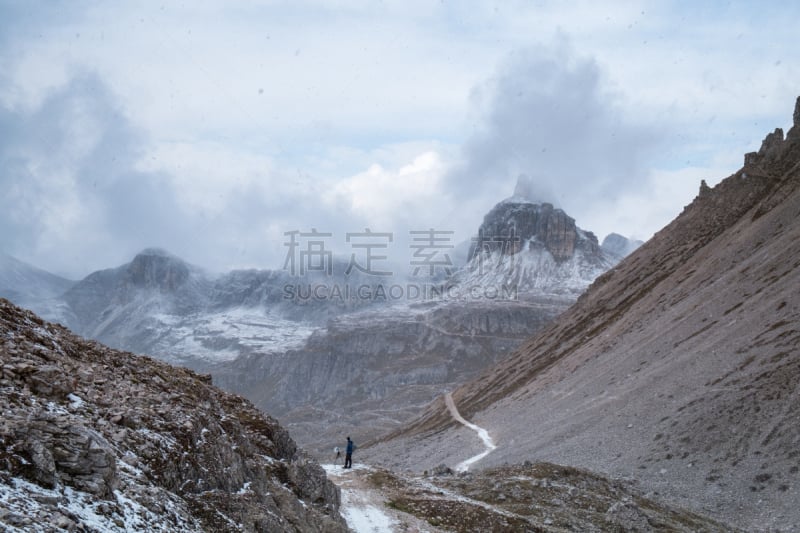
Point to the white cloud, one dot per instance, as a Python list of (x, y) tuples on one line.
[(388, 198), (212, 128)]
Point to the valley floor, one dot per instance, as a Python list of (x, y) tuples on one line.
[(540, 497), (527, 497)]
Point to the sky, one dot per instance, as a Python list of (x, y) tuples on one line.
[(212, 129)]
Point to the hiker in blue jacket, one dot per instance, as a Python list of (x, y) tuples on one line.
[(348, 453)]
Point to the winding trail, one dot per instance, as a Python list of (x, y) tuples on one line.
[(463, 466), (362, 507)]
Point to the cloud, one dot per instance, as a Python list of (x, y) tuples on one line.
[(548, 113), (71, 185), (85, 189), (393, 198), (128, 126)]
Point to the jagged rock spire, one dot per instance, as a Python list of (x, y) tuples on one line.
[(797, 113), (794, 133), (774, 143)]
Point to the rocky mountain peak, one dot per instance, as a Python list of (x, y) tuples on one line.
[(517, 223), (157, 269)]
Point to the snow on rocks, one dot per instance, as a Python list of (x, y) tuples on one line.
[(96, 439)]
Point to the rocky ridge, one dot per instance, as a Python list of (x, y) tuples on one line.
[(101, 439)]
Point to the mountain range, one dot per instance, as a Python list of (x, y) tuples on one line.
[(323, 364)]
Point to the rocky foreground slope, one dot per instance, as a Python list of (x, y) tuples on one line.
[(98, 439), (678, 368)]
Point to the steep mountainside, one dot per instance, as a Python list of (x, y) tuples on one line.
[(678, 368), (96, 439)]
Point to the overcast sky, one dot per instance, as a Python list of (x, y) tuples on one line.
[(211, 128)]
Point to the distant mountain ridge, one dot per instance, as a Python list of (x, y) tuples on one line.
[(28, 281), (33, 288)]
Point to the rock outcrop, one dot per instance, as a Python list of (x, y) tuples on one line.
[(794, 131), (532, 249), (93, 437), (517, 224)]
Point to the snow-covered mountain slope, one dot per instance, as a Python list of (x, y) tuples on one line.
[(679, 368), (161, 305), (110, 303), (532, 248), (33, 288), (94, 439), (222, 336)]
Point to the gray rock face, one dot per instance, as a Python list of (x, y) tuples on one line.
[(107, 301), (130, 443), (533, 249), (512, 225), (156, 269), (771, 144), (63, 450)]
